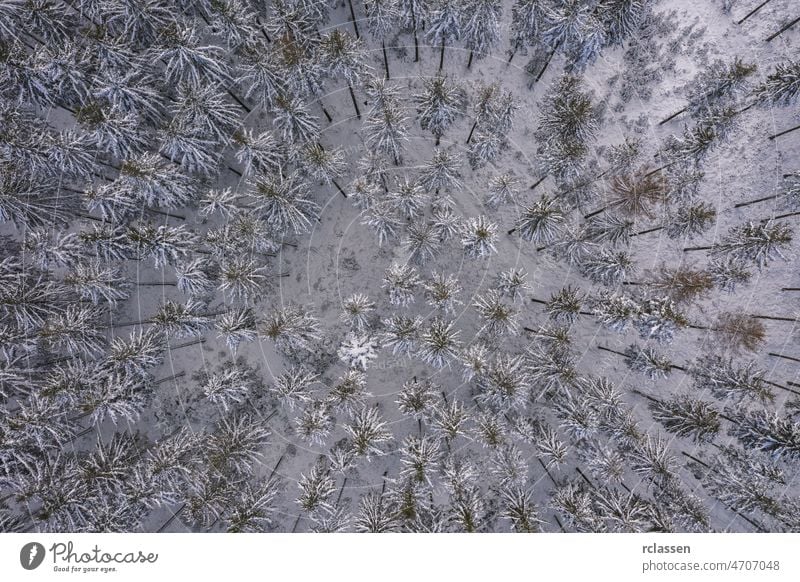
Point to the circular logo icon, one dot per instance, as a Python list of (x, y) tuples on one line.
[(31, 555)]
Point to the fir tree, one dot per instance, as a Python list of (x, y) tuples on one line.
[(444, 25), (541, 222), (439, 343), (687, 417), (401, 334), (478, 236), (767, 431), (726, 380), (357, 351), (440, 104), (368, 432), (441, 292), (400, 281), (441, 172), (481, 27), (781, 87)]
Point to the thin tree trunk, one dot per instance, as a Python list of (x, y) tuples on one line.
[(163, 213), (156, 284), (512, 231), (757, 200), (238, 100), (787, 215), (469, 62), (512, 55), (353, 18), (539, 181), (471, 131), (355, 103), (547, 62), (785, 357), (171, 519), (416, 47), (790, 288), (690, 249), (325, 111), (790, 130), (673, 116), (781, 386), (385, 59), (168, 378), (441, 56), (782, 30), (201, 340), (339, 188), (596, 212), (649, 230), (753, 11), (664, 167), (774, 318)]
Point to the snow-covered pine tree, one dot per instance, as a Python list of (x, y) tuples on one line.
[(499, 318), (358, 350), (381, 18), (541, 222), (242, 279), (291, 387), (181, 319), (386, 128), (416, 398), (98, 282), (368, 432), (291, 328), (608, 267), (400, 282), (439, 343), (503, 189), (478, 237), (441, 172), (356, 310), (284, 202), (622, 18), (725, 379), (686, 416), (294, 121), (647, 361), (565, 305), (401, 334), (407, 197), (615, 310), (258, 153), (441, 291), (227, 388), (757, 243), (422, 241), (781, 87), (659, 319), (574, 27), (512, 283), (691, 220), (383, 218), (481, 27), (343, 57), (505, 385), (767, 431), (349, 393), (440, 103), (527, 19), (444, 25), (236, 325)]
